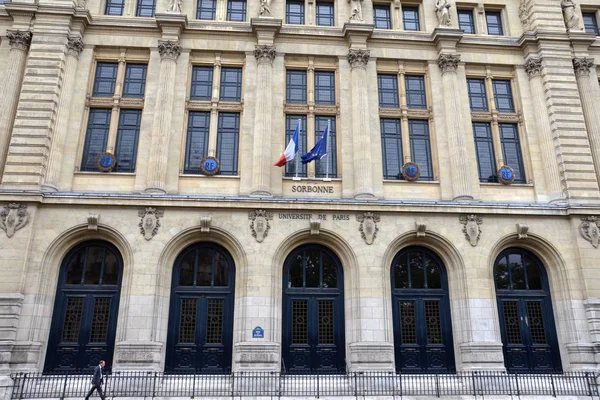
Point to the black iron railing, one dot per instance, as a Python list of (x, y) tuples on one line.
[(250, 384)]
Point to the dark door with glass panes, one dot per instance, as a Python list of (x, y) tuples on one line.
[(200, 334), (525, 312), (422, 323), (85, 310), (313, 312)]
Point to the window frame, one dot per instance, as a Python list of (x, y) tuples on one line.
[(118, 142), (200, 10), (396, 136), (331, 147), (480, 95), (289, 99), (509, 96), (109, 5), (471, 22), (87, 165), (230, 84), (416, 21), (499, 24), (127, 81), (290, 127), (329, 88), (196, 84), (98, 79), (331, 17), (395, 91), (188, 168), (594, 15), (301, 15), (236, 147), (387, 19), (412, 136), (231, 12), (422, 91), (489, 141), (140, 7)]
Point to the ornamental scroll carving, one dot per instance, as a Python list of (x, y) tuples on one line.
[(93, 220), (471, 227), (13, 217), (169, 50), (358, 58), (74, 46), (448, 62), (582, 66), (522, 230), (19, 39), (264, 53), (368, 226), (590, 230), (150, 221), (260, 224), (533, 67)]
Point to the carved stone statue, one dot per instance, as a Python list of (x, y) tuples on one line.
[(442, 12), (175, 6), (265, 8), (356, 14), (571, 19)]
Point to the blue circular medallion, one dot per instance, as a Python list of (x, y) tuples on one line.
[(411, 171), (105, 162), (506, 175), (210, 166)]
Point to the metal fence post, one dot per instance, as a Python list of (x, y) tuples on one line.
[(62, 396), (552, 384), (437, 385)]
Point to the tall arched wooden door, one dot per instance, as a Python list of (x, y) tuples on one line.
[(525, 312), (313, 312), (200, 334), (84, 320)]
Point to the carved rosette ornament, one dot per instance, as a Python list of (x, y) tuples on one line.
[(582, 66), (13, 217), (150, 221), (368, 226), (264, 53), (169, 50), (590, 230), (74, 46), (260, 224), (533, 67), (358, 58), (471, 227), (19, 39), (448, 62)]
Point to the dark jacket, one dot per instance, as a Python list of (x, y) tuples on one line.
[(97, 379)]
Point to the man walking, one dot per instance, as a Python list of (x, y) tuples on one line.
[(97, 381)]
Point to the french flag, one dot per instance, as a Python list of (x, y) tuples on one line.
[(291, 149)]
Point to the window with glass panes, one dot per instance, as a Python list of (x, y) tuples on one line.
[(324, 87), (145, 8), (114, 7), (410, 18), (381, 16), (591, 23), (391, 148), (388, 90), (295, 87), (326, 166), (494, 23), (503, 96), (511, 150), (484, 147), (206, 10), (196, 141), (465, 21), (291, 122), (231, 84), (477, 95), (294, 12), (202, 81), (324, 13), (415, 92), (124, 124), (236, 10), (228, 132)]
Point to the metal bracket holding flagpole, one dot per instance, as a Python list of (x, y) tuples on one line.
[(297, 156), (327, 178)]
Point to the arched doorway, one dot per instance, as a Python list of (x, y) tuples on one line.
[(84, 321), (422, 323), (313, 312), (525, 312), (200, 334)]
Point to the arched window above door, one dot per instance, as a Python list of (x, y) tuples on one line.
[(517, 270), (417, 269), (92, 264), (312, 268), (204, 265)]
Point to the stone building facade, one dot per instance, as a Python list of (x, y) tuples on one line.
[(459, 89)]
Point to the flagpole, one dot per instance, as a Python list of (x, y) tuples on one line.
[(328, 150), (296, 154)]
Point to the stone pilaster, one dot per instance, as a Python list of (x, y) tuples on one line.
[(361, 139), (161, 126), (461, 190), (11, 86), (74, 47), (261, 168), (10, 311), (533, 67)]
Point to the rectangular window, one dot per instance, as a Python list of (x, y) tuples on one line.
[(391, 148), (95, 137), (135, 81), (236, 10), (114, 7), (420, 147), (325, 14), (494, 23), (415, 92), (410, 16), (294, 12), (207, 10), (105, 79), (591, 23), (503, 96), (388, 91), (202, 79), (324, 87), (511, 150), (231, 84), (465, 21), (477, 94), (145, 8), (485, 152), (228, 132), (291, 121), (196, 146), (295, 87), (127, 140), (381, 16), (329, 162)]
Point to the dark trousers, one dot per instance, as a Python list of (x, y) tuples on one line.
[(98, 388)]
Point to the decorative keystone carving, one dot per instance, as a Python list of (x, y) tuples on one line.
[(471, 227), (169, 50), (315, 226), (74, 46), (93, 220), (448, 62), (421, 227), (260, 224), (590, 230), (524, 14), (522, 231), (368, 226), (150, 221), (358, 58), (582, 66), (19, 39), (205, 222), (13, 217), (264, 53), (533, 67)]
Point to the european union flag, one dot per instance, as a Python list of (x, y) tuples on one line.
[(320, 149)]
